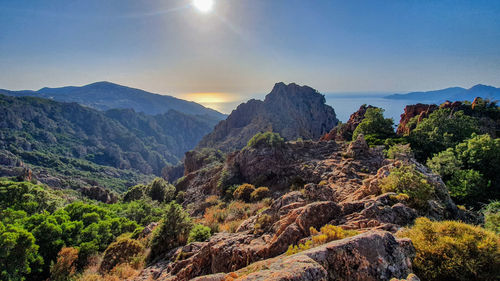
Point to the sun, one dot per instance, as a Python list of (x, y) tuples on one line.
[(203, 6)]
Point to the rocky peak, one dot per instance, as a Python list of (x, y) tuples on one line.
[(291, 110)]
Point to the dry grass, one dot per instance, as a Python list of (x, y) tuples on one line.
[(227, 217)]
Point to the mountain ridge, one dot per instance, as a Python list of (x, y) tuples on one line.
[(105, 95)]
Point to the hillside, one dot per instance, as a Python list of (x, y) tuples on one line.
[(61, 136), (291, 110), (106, 95), (452, 94)]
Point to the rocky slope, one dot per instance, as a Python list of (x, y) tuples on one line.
[(340, 187), (291, 110)]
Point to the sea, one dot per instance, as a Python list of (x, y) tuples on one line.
[(345, 104)]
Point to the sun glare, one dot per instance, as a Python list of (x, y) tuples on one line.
[(203, 6)]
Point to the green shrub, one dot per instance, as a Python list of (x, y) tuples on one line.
[(451, 250), (260, 193), (173, 231), (407, 180), (267, 139), (399, 151), (179, 198), (199, 233), (121, 251), (492, 216), (441, 130), (244, 192), (471, 170)]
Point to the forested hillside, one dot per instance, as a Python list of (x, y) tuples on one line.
[(72, 140)]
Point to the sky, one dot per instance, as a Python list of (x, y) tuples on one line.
[(241, 48)]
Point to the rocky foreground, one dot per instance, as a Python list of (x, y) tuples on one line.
[(340, 188)]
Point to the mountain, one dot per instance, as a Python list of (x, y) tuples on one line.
[(454, 93), (106, 95), (74, 140), (291, 110)]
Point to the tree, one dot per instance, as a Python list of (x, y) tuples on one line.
[(441, 130), (375, 127), (471, 169), (18, 252), (65, 266), (161, 191), (172, 231)]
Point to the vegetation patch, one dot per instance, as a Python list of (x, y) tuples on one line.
[(451, 250)]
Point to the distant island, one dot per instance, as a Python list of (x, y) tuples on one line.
[(452, 93)]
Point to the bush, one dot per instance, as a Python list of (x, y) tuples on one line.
[(407, 180), (267, 139), (326, 234), (451, 250), (199, 233), (173, 231), (260, 193), (121, 251), (375, 127), (492, 216), (65, 266), (244, 192)]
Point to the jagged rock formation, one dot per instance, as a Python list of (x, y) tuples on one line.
[(344, 132), (291, 110), (341, 188), (420, 110)]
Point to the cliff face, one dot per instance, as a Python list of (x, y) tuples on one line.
[(291, 110)]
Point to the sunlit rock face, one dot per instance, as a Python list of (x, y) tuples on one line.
[(291, 110)]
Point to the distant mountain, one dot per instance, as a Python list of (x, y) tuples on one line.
[(452, 94), (70, 139), (106, 95), (291, 110)]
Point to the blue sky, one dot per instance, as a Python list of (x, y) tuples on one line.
[(243, 47)]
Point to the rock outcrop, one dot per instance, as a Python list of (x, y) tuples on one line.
[(340, 184), (344, 132), (411, 111), (375, 255), (291, 110)]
